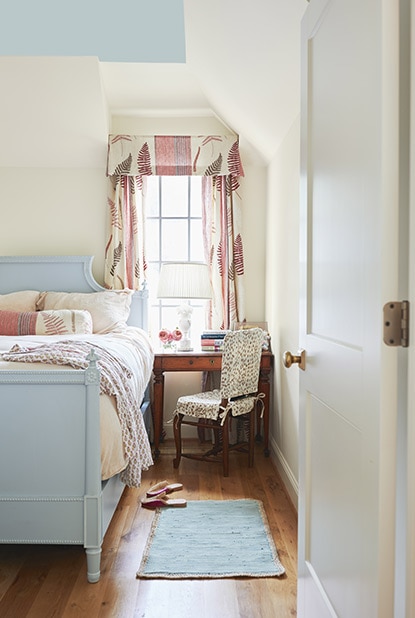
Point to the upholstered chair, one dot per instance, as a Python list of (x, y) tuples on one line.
[(236, 401)]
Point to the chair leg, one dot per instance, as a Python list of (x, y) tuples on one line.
[(251, 439), (201, 434), (217, 437), (177, 431), (225, 446)]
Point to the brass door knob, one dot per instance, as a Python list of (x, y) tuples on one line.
[(290, 359)]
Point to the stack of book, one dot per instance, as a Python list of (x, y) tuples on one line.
[(212, 340)]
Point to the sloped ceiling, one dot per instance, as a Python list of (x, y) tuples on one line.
[(247, 58), (242, 66)]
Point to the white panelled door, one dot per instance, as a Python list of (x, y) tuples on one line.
[(349, 263)]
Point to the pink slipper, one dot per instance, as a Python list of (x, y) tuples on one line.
[(164, 487), (162, 501)]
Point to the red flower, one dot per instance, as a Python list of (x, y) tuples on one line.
[(164, 335), (167, 336), (177, 334)]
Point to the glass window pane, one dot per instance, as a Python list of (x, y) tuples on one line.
[(152, 275), (174, 240), (196, 196), (174, 195), (174, 233), (152, 196), (196, 241), (152, 239), (169, 317)]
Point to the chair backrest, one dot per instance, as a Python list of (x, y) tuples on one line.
[(241, 360)]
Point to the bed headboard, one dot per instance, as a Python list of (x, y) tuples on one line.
[(56, 273)]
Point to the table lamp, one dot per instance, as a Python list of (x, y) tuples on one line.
[(186, 280)]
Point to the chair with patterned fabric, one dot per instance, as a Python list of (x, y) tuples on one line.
[(236, 401)]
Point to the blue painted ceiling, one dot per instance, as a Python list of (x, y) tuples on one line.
[(128, 31)]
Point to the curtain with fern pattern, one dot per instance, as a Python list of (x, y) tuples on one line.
[(124, 252), (173, 155), (217, 159), (223, 246)]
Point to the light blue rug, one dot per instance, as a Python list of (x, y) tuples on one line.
[(211, 539)]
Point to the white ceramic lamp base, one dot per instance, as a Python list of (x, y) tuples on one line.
[(184, 312)]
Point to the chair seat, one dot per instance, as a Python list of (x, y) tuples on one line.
[(206, 405)]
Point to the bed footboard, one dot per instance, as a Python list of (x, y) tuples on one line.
[(50, 462), (50, 456)]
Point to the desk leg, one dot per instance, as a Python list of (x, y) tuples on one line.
[(158, 403), (264, 387)]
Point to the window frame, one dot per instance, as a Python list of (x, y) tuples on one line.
[(162, 312)]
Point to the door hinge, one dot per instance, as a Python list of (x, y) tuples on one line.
[(396, 323)]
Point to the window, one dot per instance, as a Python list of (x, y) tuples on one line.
[(173, 233)]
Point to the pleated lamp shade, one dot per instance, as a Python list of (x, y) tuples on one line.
[(184, 280)]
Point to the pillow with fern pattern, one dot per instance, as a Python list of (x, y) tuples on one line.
[(60, 322)]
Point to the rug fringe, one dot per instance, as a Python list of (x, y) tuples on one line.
[(152, 532)]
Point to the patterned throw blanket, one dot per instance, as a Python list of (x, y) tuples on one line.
[(115, 380)]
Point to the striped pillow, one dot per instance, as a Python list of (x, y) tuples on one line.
[(63, 322)]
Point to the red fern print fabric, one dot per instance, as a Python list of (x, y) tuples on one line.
[(115, 379), (170, 155), (223, 246), (62, 322), (131, 158), (125, 251)]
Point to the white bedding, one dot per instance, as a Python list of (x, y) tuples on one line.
[(132, 346)]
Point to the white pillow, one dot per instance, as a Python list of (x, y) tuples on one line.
[(108, 309), (19, 301)]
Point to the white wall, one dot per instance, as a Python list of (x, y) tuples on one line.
[(254, 196), (54, 133), (54, 211), (282, 301)]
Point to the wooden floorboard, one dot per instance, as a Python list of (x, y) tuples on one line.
[(50, 581)]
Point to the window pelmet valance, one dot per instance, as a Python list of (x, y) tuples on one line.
[(169, 155)]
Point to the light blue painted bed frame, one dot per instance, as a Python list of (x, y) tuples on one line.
[(50, 462)]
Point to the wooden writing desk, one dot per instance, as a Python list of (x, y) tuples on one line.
[(202, 361)]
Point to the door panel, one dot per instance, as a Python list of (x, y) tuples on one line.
[(349, 172), (334, 497)]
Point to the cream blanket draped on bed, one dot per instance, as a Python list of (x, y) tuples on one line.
[(116, 379)]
